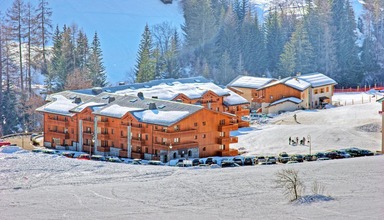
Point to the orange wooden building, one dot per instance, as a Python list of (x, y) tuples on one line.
[(136, 127)]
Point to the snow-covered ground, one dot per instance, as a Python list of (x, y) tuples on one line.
[(43, 186)]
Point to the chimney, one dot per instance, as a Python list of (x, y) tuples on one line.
[(140, 95), (152, 106), (111, 99), (77, 100), (97, 90)]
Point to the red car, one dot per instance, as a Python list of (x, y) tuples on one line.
[(4, 143), (84, 157)]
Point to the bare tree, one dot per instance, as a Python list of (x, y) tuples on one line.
[(289, 181), (78, 80)]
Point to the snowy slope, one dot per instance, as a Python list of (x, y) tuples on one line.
[(41, 186)]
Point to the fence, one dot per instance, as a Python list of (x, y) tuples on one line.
[(359, 89)]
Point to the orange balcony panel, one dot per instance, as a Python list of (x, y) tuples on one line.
[(137, 155), (58, 123), (88, 123), (87, 148), (137, 142), (103, 136), (233, 140), (103, 149), (231, 127), (87, 134), (103, 123)]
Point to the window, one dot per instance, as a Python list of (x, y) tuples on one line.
[(315, 91), (122, 146), (140, 125), (139, 136), (195, 124), (72, 131), (222, 134), (88, 129), (122, 133), (271, 97), (156, 152), (327, 89), (189, 153), (217, 109), (204, 123), (222, 122), (204, 148), (146, 150), (176, 127), (222, 147), (146, 137), (112, 144), (195, 137), (204, 135), (176, 140), (322, 90), (111, 131)]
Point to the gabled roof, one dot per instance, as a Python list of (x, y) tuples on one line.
[(234, 99), (317, 79), (166, 89), (251, 82), (59, 104), (292, 82), (166, 113), (289, 99), (380, 100)]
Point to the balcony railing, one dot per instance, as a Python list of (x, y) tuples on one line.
[(56, 122), (137, 142), (230, 127), (177, 133), (134, 128), (103, 123), (59, 134), (165, 146), (103, 135)]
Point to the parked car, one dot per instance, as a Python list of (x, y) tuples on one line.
[(84, 157), (98, 158), (238, 160), (271, 159), (249, 161), (155, 162), (332, 155), (283, 157), (366, 153), (319, 156), (136, 162), (37, 150), (195, 162), (297, 157), (308, 157), (342, 153), (114, 160), (50, 151), (68, 154), (354, 152), (210, 161), (229, 164), (182, 164), (260, 160)]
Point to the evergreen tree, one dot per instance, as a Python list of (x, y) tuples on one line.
[(56, 63), (44, 32), (82, 51), (95, 64), (15, 24), (274, 41), (145, 67)]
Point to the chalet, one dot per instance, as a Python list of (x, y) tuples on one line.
[(135, 127), (288, 94), (246, 86), (381, 101)]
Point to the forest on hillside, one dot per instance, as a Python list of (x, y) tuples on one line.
[(220, 39), (225, 38)]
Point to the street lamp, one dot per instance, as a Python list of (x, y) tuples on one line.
[(310, 143), (169, 150)]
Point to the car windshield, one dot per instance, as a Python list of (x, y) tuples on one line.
[(284, 155)]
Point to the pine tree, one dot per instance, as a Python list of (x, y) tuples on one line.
[(56, 63), (287, 63), (17, 29), (82, 51), (145, 67), (95, 64), (274, 41), (44, 32)]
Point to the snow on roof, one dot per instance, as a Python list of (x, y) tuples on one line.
[(234, 99), (117, 111), (59, 105), (168, 91), (380, 100), (297, 83), (160, 117), (289, 99), (85, 105), (250, 82), (317, 79)]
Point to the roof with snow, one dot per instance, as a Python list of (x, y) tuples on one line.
[(250, 82), (292, 82), (317, 79), (380, 100), (165, 112), (289, 99), (234, 99), (59, 104)]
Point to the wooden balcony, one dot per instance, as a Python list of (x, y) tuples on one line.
[(227, 140), (136, 155), (243, 124), (230, 127), (88, 123), (165, 146), (88, 134), (59, 134), (87, 148), (59, 123), (172, 134), (137, 142), (103, 123), (103, 149), (103, 136), (123, 138), (134, 128)]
